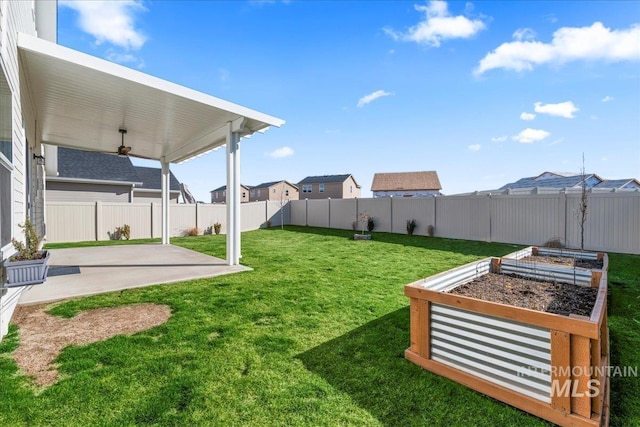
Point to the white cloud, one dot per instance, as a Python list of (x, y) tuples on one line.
[(499, 138), (372, 97), (529, 135), (278, 153), (608, 98), (524, 34), (527, 116), (110, 21), (568, 44), (124, 58), (562, 109), (474, 147), (438, 25)]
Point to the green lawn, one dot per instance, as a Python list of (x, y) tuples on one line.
[(314, 335)]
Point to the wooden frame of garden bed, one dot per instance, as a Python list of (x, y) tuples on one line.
[(550, 365)]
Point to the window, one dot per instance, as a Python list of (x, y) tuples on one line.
[(6, 157), (216, 195), (307, 188), (258, 193), (252, 193), (286, 193), (351, 189), (274, 190), (321, 188), (244, 194)]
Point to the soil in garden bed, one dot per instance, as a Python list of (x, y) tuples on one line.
[(564, 261), (550, 297)]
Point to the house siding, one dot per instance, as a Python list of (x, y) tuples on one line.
[(275, 193), (15, 17), (85, 192), (141, 196)]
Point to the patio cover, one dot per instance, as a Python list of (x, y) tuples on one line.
[(80, 101)]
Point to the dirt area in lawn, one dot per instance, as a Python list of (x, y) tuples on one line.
[(551, 297), (43, 336), (563, 261)]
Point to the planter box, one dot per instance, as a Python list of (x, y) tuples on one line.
[(550, 365), (514, 264), (362, 237), (24, 273)]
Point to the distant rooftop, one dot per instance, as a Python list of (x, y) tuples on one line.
[(406, 181), (325, 179)]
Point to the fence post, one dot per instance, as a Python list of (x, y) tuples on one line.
[(562, 216), (151, 220), (329, 212), (391, 214), (435, 212), (98, 219)]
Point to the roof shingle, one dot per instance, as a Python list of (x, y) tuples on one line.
[(406, 181)]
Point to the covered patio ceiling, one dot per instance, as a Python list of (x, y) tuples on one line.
[(81, 101)]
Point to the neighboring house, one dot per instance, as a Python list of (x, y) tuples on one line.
[(87, 176), (329, 186), (406, 184), (219, 195), (566, 180), (276, 190)]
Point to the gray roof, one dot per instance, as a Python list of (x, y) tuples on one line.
[(325, 179), (152, 179), (559, 182), (270, 184), (95, 166), (615, 183), (224, 187)]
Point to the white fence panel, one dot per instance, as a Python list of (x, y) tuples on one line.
[(318, 213), (278, 213), (463, 217), (253, 215), (71, 222), (612, 223), (298, 212), (379, 209), (342, 213), (421, 209), (156, 220), (527, 219), (135, 215), (208, 215), (181, 219)]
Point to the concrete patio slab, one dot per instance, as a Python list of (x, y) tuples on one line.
[(113, 268)]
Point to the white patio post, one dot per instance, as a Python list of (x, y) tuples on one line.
[(233, 193), (165, 201)]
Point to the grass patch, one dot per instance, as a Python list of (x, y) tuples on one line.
[(314, 335)]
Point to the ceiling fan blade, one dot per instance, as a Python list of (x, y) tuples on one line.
[(123, 151)]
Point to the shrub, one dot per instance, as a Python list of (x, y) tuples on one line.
[(30, 249), (126, 232), (193, 231), (354, 225), (554, 243), (216, 227), (430, 231), (411, 226), (208, 231), (371, 224)]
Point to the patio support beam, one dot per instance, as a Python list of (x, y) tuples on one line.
[(233, 195), (165, 201)]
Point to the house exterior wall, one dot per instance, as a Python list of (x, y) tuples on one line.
[(332, 190), (15, 17), (275, 193), (84, 192), (150, 196), (221, 196), (413, 193)]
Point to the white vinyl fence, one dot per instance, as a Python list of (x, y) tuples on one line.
[(612, 224), (77, 221)]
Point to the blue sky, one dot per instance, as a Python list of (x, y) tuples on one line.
[(482, 92)]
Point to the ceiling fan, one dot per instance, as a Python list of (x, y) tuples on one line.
[(124, 150)]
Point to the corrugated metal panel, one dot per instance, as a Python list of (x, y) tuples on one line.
[(298, 212), (420, 209), (511, 354), (520, 254), (135, 215), (457, 276), (318, 213), (71, 222), (343, 213), (568, 253), (541, 271)]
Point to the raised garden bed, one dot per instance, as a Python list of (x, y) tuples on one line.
[(570, 266), (551, 365)]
